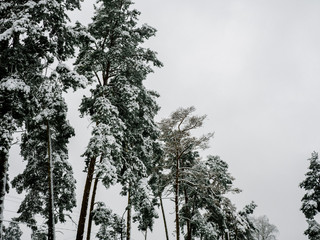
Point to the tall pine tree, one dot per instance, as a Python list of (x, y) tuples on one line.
[(176, 134), (33, 34), (122, 109)]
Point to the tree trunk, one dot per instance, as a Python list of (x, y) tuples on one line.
[(3, 184), (176, 201), (188, 215), (7, 128), (164, 218), (129, 215), (85, 199), (51, 222), (93, 199)]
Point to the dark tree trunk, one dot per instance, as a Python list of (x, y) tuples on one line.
[(188, 215), (85, 199), (5, 142), (176, 201), (129, 215), (164, 218), (51, 223), (3, 186), (93, 199)]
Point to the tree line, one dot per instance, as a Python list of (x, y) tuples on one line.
[(150, 161)]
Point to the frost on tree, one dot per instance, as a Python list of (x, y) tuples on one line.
[(202, 209), (50, 107), (179, 146), (311, 199), (33, 34), (124, 132)]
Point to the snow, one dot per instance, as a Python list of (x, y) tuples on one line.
[(14, 84), (19, 25)]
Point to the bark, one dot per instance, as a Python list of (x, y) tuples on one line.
[(85, 199), (3, 184), (164, 218), (188, 215), (51, 223), (93, 199), (129, 215), (176, 201)]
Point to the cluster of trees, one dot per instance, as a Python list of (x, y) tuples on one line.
[(148, 160)]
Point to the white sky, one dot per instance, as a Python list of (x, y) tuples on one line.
[(252, 66)]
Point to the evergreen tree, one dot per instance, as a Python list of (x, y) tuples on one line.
[(178, 145), (52, 109), (264, 230), (112, 226), (311, 199), (12, 232), (205, 185), (124, 134), (33, 34)]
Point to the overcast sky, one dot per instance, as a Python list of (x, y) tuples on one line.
[(253, 67)]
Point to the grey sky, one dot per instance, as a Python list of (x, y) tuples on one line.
[(253, 67)]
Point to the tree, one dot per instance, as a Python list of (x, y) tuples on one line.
[(121, 108), (205, 185), (12, 232), (33, 34), (264, 229), (178, 145), (239, 224), (311, 199), (112, 226), (49, 115)]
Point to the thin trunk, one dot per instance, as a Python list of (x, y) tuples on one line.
[(51, 223), (164, 218), (145, 236), (177, 200), (3, 184), (129, 215), (93, 198), (85, 199), (188, 215), (5, 139)]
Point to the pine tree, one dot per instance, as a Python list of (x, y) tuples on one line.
[(205, 184), (121, 108), (33, 34), (52, 109), (12, 232), (311, 199), (178, 145), (112, 226), (265, 230)]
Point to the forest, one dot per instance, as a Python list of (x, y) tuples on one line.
[(158, 167)]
